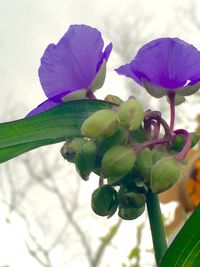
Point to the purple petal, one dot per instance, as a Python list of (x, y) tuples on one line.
[(107, 51), (166, 62), (72, 63), (104, 56), (44, 106), (126, 70)]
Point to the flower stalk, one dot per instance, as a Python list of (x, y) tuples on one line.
[(156, 225), (172, 110)]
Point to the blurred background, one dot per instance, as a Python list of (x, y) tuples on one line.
[(45, 214)]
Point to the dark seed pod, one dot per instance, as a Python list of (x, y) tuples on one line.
[(104, 201), (131, 199), (130, 213), (85, 159), (71, 148)]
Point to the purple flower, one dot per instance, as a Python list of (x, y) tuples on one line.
[(165, 65), (75, 66)]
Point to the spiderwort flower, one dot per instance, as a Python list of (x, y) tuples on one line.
[(75, 66), (164, 66)]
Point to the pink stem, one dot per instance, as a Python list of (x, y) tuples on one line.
[(156, 129), (181, 155), (165, 126), (165, 140), (90, 95), (171, 96)]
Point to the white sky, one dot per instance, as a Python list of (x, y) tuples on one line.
[(28, 26)]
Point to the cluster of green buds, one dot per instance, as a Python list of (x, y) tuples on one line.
[(118, 145)]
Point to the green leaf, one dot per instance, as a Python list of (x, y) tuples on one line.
[(185, 249), (52, 126)]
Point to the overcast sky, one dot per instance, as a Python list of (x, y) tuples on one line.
[(28, 26)]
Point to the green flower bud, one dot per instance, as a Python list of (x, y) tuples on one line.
[(118, 138), (179, 142), (158, 155), (113, 99), (85, 159), (131, 114), (145, 162), (104, 201), (102, 122), (164, 174), (71, 148), (131, 199), (130, 213), (117, 162)]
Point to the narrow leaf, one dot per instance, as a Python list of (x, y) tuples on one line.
[(52, 126), (185, 249)]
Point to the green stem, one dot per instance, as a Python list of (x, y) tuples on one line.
[(157, 227)]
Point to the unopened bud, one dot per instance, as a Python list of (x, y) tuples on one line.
[(131, 199), (70, 149), (117, 162), (158, 155), (104, 201), (102, 122), (85, 159), (113, 99), (118, 138), (145, 162), (130, 213), (179, 142), (164, 174), (131, 114)]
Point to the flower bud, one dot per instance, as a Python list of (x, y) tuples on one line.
[(118, 138), (131, 114), (130, 213), (164, 174), (158, 155), (104, 201), (85, 159), (70, 149), (179, 142), (145, 162), (131, 199), (113, 99), (117, 162), (102, 122)]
